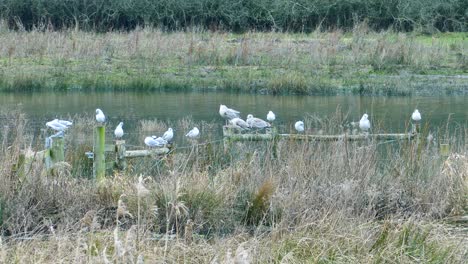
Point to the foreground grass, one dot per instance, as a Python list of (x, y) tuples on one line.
[(337, 202), (359, 62)]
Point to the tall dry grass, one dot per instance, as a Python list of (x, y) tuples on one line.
[(150, 59), (318, 202)]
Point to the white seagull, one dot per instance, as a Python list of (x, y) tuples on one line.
[(364, 123), (57, 125), (118, 132), (100, 117), (228, 113), (168, 135), (239, 123), (255, 122), (299, 126), (154, 141), (416, 116), (193, 133), (271, 116), (65, 122)]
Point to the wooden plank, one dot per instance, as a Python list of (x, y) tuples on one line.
[(346, 137), (146, 152), (228, 134)]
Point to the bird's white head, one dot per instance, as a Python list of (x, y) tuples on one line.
[(416, 111), (154, 137), (270, 112), (120, 124), (249, 116), (169, 129), (365, 116), (98, 111)]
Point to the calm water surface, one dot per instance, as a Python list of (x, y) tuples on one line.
[(391, 112)]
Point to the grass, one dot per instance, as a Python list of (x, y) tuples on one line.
[(338, 202), (359, 62)]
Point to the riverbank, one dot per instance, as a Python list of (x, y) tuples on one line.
[(359, 62)]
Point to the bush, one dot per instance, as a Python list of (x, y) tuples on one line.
[(298, 15)]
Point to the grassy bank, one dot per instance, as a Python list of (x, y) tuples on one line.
[(319, 202), (360, 62)]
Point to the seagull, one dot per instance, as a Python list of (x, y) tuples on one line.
[(239, 123), (255, 122), (100, 117), (228, 113), (154, 141), (56, 125), (193, 133), (271, 116), (65, 122), (299, 126), (364, 123), (118, 132), (416, 116), (168, 135)]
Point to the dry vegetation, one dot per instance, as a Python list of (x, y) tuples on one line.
[(317, 203), (358, 61)]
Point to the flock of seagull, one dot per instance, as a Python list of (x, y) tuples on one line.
[(230, 115)]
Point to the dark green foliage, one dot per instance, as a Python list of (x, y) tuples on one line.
[(283, 15)]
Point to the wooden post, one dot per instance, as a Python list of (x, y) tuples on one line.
[(444, 150), (99, 153), (227, 142), (120, 160), (57, 151)]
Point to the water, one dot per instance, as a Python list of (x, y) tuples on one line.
[(390, 114)]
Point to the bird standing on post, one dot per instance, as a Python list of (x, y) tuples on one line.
[(416, 116), (239, 123), (118, 132), (228, 113), (271, 116), (100, 117), (59, 125), (255, 122), (299, 126), (364, 123)]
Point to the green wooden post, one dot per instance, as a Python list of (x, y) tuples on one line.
[(120, 160), (444, 150), (99, 153), (57, 151), (227, 142)]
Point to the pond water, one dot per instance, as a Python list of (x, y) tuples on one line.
[(392, 113)]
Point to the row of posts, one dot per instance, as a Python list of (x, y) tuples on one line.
[(55, 153)]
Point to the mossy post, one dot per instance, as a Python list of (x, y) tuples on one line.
[(444, 149), (99, 153), (120, 160), (57, 151)]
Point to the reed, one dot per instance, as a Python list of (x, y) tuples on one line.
[(359, 61), (321, 201)]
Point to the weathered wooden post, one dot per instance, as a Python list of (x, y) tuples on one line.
[(99, 153), (444, 149), (227, 142), (57, 151), (120, 160)]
